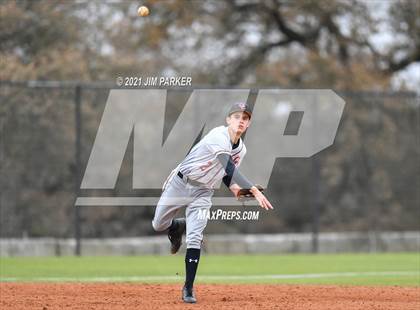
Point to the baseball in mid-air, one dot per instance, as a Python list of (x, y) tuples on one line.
[(143, 11)]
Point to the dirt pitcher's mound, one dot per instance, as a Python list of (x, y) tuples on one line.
[(168, 296)]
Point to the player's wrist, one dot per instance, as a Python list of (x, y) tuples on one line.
[(235, 191), (254, 189)]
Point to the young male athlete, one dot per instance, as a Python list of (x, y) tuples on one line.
[(216, 157)]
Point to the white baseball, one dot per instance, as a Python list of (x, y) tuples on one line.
[(143, 11)]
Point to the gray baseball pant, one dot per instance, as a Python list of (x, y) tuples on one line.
[(177, 194)]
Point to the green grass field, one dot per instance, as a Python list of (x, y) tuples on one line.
[(350, 269)]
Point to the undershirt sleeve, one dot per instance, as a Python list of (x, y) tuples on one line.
[(233, 175)]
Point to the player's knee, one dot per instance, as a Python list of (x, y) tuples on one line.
[(158, 226)]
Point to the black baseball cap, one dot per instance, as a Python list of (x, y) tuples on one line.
[(240, 107)]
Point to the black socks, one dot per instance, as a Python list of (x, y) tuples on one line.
[(192, 257)]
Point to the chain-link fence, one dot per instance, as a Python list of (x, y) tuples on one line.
[(368, 180)]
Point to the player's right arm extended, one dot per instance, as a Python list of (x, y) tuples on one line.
[(233, 175), (235, 180)]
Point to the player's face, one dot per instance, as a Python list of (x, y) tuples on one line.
[(238, 122)]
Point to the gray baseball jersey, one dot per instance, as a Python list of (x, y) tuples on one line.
[(200, 165)]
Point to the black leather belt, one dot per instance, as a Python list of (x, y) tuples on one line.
[(189, 181)]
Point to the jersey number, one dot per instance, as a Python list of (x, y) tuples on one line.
[(204, 167)]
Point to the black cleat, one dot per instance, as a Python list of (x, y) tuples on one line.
[(175, 234), (188, 295)]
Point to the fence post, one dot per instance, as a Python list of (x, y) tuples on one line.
[(315, 202), (315, 186), (78, 164)]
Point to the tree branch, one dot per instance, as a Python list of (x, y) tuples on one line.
[(243, 65)]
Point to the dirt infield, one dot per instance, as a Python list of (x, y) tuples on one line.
[(167, 296)]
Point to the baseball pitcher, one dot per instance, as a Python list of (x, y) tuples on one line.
[(216, 157)]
